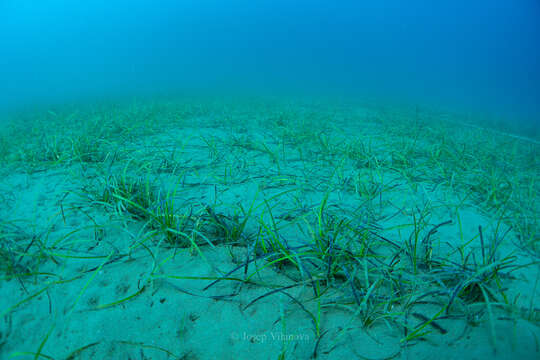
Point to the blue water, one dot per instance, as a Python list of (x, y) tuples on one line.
[(470, 56)]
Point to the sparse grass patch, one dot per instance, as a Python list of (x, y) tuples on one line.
[(368, 219), (21, 254)]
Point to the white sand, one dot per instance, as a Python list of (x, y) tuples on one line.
[(94, 257)]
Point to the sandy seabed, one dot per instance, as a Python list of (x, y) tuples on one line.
[(183, 229)]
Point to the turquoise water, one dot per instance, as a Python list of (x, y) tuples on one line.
[(466, 56), (269, 180)]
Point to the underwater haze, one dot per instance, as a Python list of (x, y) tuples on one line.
[(481, 55), (269, 179)]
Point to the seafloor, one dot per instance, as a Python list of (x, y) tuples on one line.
[(203, 229)]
